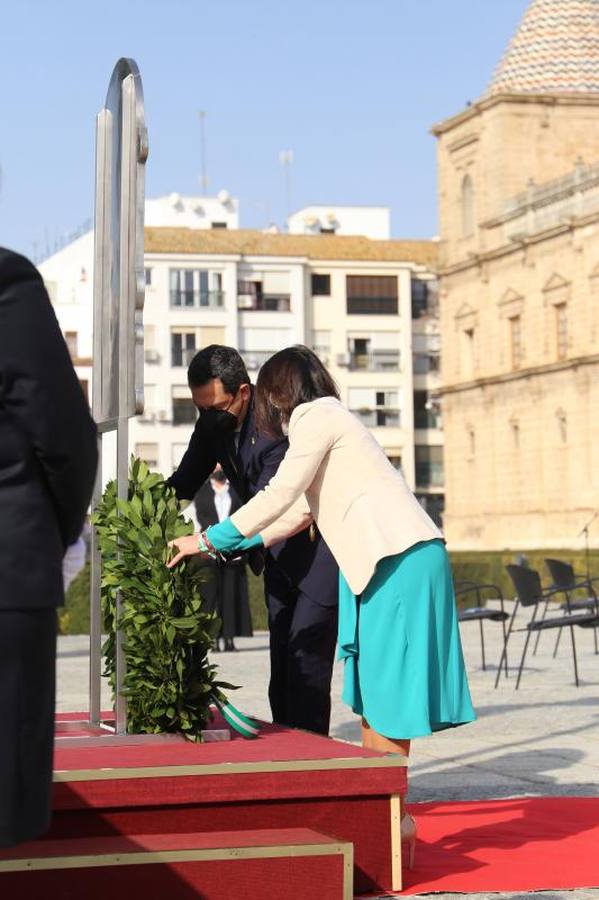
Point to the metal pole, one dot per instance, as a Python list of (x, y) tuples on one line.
[(101, 281), (95, 615), (126, 350), (204, 178)]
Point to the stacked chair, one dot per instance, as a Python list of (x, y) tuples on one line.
[(531, 595)]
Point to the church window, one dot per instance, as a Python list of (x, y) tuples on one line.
[(467, 206)]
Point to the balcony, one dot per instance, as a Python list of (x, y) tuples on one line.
[(375, 361), (429, 474), (255, 359), (184, 412), (264, 302), (381, 417), (190, 299)]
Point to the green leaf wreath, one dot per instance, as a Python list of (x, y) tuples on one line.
[(169, 683)]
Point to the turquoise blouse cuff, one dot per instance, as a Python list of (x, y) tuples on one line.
[(250, 543), (225, 536)]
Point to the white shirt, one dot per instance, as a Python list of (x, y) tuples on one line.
[(222, 501)]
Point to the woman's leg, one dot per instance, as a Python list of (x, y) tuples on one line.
[(372, 740)]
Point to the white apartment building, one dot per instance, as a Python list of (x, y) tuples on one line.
[(366, 306)]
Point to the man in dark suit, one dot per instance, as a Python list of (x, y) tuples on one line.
[(300, 574), (48, 456), (226, 592)]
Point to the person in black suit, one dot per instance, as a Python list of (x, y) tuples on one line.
[(300, 574), (226, 592), (48, 457)]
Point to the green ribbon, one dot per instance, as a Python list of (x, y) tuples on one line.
[(239, 722)]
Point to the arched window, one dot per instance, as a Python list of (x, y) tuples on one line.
[(467, 206)]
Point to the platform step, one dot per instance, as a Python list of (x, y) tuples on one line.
[(255, 865)]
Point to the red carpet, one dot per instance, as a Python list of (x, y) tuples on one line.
[(527, 844)]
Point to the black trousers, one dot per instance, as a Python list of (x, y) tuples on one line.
[(226, 593), (303, 635), (27, 689)]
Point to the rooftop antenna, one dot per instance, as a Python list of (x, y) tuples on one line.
[(204, 176), (286, 159)]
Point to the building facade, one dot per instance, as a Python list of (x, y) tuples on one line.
[(519, 258), (367, 221), (367, 307)]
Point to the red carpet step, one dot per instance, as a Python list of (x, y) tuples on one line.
[(251, 864)]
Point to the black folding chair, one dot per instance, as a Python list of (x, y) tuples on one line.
[(529, 593), (480, 613), (564, 576)]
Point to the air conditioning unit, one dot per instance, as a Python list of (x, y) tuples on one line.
[(343, 359), (152, 356), (245, 301), (147, 417), (163, 416)]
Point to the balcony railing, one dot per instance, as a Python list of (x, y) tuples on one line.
[(375, 361), (423, 363), (255, 359), (264, 303), (429, 474), (189, 299), (378, 418), (367, 306)]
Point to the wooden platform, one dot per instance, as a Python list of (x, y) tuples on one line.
[(282, 780)]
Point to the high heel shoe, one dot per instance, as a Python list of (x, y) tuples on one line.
[(409, 832)]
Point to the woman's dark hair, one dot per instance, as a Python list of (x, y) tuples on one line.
[(221, 362), (290, 377)]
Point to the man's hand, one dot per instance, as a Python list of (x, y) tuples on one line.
[(185, 546)]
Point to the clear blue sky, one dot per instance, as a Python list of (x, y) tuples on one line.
[(351, 86)]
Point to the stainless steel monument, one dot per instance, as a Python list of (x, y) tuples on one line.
[(119, 288)]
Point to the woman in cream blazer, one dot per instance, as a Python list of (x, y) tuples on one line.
[(398, 632)]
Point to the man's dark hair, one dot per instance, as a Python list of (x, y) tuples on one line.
[(290, 377), (221, 362)]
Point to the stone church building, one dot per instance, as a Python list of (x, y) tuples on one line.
[(519, 227)]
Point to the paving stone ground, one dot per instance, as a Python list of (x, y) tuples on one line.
[(542, 740)]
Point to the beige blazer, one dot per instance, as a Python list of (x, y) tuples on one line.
[(360, 502)]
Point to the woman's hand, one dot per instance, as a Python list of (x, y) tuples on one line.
[(185, 546)]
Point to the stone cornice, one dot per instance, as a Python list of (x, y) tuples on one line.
[(574, 99), (471, 138), (545, 369), (477, 259)]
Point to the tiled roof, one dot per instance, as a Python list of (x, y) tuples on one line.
[(555, 50), (243, 242)]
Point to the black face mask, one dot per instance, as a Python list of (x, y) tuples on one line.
[(220, 419)]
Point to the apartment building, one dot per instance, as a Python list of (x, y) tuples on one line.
[(367, 306)]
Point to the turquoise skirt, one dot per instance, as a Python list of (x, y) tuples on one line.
[(404, 667)]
